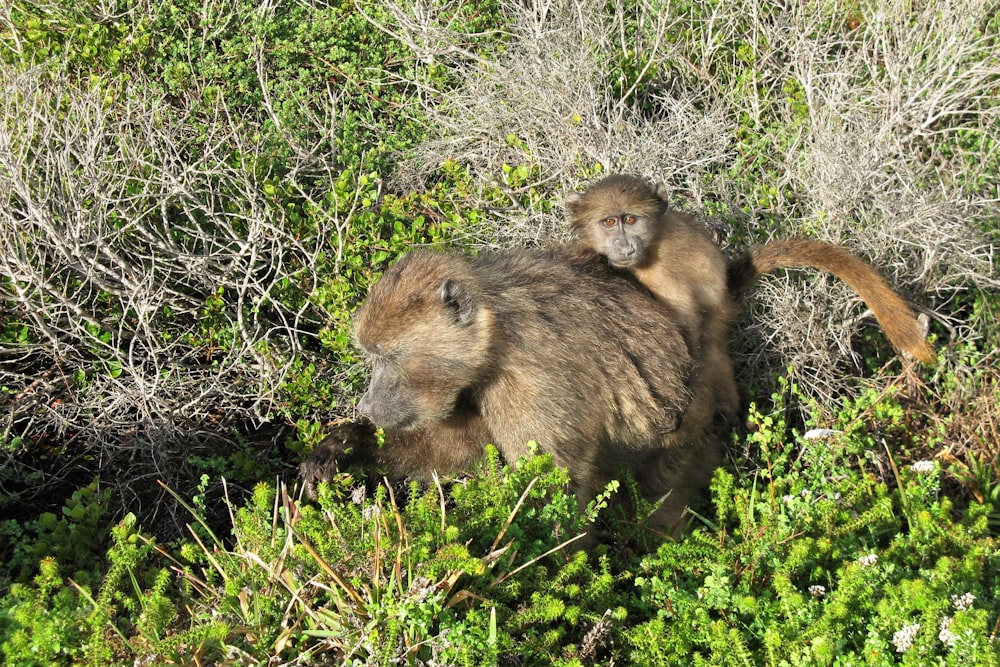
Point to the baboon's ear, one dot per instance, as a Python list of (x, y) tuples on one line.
[(572, 205), (457, 300), (571, 202), (662, 191)]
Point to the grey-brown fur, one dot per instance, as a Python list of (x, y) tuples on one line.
[(551, 346)]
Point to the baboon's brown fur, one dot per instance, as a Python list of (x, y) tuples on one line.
[(551, 346), (892, 313), (627, 220)]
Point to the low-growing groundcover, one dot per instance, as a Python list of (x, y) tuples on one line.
[(812, 555), (196, 194)]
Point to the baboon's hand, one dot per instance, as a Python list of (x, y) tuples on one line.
[(318, 467), (348, 445)]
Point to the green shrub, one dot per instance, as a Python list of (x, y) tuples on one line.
[(54, 620), (827, 553), (231, 215), (816, 551), (69, 538), (441, 576), (42, 622)]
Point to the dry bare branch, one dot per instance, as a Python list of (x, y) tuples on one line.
[(141, 250)]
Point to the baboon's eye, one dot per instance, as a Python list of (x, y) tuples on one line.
[(609, 222), (629, 219)]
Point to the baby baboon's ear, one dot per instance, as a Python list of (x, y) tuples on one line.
[(573, 205), (458, 301)]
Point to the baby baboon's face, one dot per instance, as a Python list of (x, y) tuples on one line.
[(622, 237), (617, 217)]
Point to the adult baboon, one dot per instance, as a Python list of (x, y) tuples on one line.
[(551, 346), (627, 220)]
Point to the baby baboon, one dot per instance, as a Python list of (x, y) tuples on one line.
[(551, 346), (628, 221)]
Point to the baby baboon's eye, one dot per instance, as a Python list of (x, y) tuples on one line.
[(609, 222), (629, 219)]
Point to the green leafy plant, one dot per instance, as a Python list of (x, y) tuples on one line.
[(817, 560)]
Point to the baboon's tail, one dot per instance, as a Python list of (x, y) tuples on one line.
[(895, 317)]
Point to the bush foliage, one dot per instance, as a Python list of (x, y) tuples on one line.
[(199, 194)]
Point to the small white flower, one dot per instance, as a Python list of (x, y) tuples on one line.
[(358, 495), (946, 635), (817, 591), (903, 639), (789, 498), (922, 466), (963, 602), (371, 512), (867, 560), (820, 433)]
